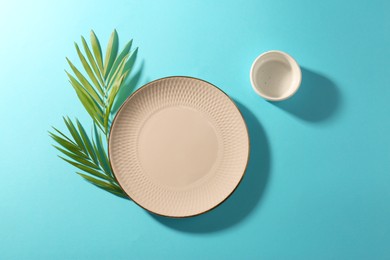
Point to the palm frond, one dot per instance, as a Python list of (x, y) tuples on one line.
[(100, 152), (97, 50), (120, 57), (88, 155), (92, 61), (112, 51), (90, 105), (97, 89), (85, 83), (114, 189), (89, 71)]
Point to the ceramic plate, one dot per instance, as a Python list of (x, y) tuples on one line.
[(179, 146)]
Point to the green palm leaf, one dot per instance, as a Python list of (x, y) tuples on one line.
[(97, 96), (101, 153), (92, 61), (97, 90), (81, 159), (70, 146), (73, 131), (87, 143), (131, 61), (97, 51), (89, 71), (59, 132), (81, 154), (93, 109), (112, 51), (120, 58), (85, 83), (114, 189)]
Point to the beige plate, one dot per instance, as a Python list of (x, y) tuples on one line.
[(179, 146)]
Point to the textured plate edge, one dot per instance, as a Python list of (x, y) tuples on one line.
[(229, 98)]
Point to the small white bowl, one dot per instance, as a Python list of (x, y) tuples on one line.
[(275, 75)]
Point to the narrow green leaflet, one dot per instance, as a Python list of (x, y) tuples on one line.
[(97, 51), (92, 61), (120, 58), (59, 132), (70, 146), (73, 131), (81, 159), (89, 71), (112, 51), (102, 155), (97, 97), (131, 61), (85, 83), (87, 143), (93, 109), (97, 88), (117, 74), (81, 154), (114, 189), (87, 169)]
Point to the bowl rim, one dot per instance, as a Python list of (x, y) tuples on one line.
[(292, 62)]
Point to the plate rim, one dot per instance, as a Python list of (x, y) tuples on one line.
[(215, 206)]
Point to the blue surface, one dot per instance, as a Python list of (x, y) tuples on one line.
[(318, 183)]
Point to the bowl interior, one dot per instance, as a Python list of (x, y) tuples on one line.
[(275, 75)]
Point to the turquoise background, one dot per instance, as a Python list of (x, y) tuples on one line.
[(318, 183)]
